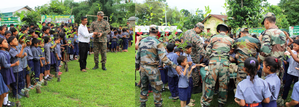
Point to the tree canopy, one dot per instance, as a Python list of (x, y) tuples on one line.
[(118, 11), (290, 8)]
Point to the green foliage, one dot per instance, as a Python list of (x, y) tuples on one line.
[(193, 18), (244, 13), (207, 10), (290, 8), (114, 9), (153, 12), (281, 18), (28, 17)]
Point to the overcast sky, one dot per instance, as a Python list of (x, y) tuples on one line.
[(192, 5), (30, 3)]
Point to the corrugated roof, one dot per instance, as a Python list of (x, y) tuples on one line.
[(220, 17), (13, 9)]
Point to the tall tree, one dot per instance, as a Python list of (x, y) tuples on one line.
[(290, 8), (244, 12), (153, 12)]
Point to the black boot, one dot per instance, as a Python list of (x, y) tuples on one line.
[(204, 105), (158, 105), (96, 66), (220, 105), (142, 105), (103, 67)]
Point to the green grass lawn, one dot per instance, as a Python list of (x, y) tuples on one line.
[(111, 88), (168, 102)]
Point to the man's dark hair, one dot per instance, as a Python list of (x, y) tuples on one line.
[(1, 28), (10, 39), (45, 28), (188, 45), (271, 19), (7, 32), (26, 26), (178, 40), (12, 25), (46, 38), (82, 18), (222, 28), (296, 42), (44, 23), (23, 29), (177, 50), (181, 59), (170, 47)]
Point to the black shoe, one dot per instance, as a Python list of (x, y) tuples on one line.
[(197, 89), (142, 105), (204, 105), (220, 105), (158, 105), (48, 79), (103, 67), (96, 66), (9, 104)]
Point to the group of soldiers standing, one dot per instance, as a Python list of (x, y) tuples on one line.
[(272, 42)]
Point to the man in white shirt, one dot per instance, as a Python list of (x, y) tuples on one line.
[(84, 38)]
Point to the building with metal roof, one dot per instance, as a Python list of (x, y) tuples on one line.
[(9, 12)]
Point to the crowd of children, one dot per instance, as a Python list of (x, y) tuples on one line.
[(119, 39), (266, 91), (27, 55)]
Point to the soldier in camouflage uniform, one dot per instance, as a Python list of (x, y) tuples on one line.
[(218, 53), (129, 25), (150, 52), (100, 41), (246, 46), (273, 44), (197, 50)]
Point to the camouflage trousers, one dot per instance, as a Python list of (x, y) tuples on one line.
[(151, 75), (240, 74), (100, 47), (218, 69), (196, 77), (280, 101)]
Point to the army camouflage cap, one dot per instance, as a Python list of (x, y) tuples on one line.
[(244, 30), (200, 25), (269, 14), (101, 13), (153, 28)]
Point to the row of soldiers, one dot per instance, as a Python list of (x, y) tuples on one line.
[(272, 42)]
